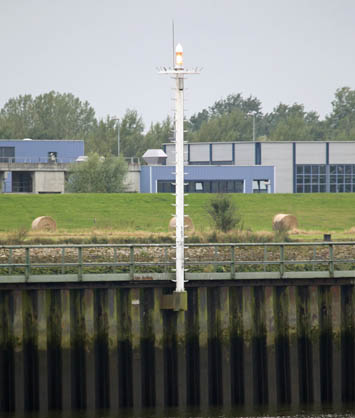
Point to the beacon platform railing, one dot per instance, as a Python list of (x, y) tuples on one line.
[(128, 262)]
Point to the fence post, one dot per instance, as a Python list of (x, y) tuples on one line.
[(80, 268), (10, 260), (63, 260), (166, 260), (265, 257), (233, 262), (115, 259), (28, 262), (282, 260), (314, 258), (131, 260), (331, 260), (215, 259)]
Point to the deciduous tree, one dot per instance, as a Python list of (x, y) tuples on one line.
[(341, 122), (158, 134), (48, 116), (103, 137), (131, 132), (293, 123)]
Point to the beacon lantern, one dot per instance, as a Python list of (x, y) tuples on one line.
[(178, 57)]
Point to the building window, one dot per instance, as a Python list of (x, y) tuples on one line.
[(204, 186), (261, 186), (22, 182), (227, 186), (342, 178), (311, 178), (199, 186), (7, 154), (166, 187)]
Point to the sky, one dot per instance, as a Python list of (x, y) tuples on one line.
[(107, 51)]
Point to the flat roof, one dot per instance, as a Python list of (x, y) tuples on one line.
[(37, 140), (264, 142)]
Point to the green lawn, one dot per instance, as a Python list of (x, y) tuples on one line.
[(147, 212)]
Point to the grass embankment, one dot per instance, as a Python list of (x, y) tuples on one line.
[(143, 214)]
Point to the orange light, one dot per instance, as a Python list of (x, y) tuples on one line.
[(179, 56)]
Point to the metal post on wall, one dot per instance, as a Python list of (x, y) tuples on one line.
[(179, 73)]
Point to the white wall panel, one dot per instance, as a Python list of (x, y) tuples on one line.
[(170, 152), (200, 152), (244, 154), (222, 152), (311, 153), (342, 153), (280, 156)]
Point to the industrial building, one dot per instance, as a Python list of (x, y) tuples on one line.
[(36, 166), (40, 166), (256, 167)]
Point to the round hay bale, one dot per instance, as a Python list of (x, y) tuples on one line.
[(189, 226), (284, 222), (44, 223)]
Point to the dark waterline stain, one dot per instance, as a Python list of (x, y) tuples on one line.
[(345, 411)]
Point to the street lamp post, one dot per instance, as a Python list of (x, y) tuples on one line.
[(118, 136), (254, 127), (253, 114)]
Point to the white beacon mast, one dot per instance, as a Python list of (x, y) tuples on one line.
[(179, 74)]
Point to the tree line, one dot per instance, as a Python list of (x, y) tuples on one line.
[(63, 116)]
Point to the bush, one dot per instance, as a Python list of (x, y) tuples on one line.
[(97, 175), (224, 213)]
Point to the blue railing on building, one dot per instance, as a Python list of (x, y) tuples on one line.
[(35, 160), (46, 160)]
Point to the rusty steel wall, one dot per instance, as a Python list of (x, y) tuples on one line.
[(114, 347)]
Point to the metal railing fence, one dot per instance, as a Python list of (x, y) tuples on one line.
[(36, 160), (156, 261)]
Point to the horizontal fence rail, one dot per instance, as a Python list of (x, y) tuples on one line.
[(22, 263)]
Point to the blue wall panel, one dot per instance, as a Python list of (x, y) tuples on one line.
[(151, 174), (36, 151)]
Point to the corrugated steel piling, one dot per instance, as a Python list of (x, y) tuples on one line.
[(111, 345), (62, 348)]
